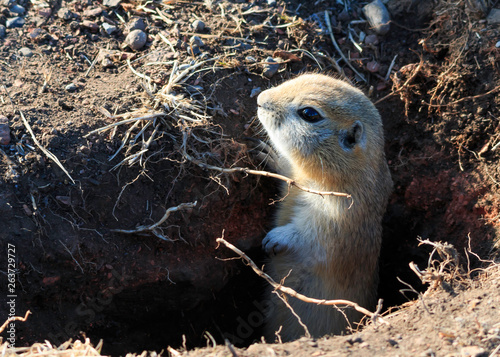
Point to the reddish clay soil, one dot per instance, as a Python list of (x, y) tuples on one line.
[(80, 277)]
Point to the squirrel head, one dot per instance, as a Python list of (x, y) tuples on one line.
[(324, 127)]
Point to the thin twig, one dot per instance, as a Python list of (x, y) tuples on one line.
[(335, 44), (295, 294), (145, 117), (393, 62), (288, 180), (76, 261), (14, 318), (44, 150), (152, 228), (93, 63), (304, 326)]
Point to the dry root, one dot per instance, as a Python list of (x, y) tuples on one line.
[(279, 288)]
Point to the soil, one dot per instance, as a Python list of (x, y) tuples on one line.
[(170, 285)]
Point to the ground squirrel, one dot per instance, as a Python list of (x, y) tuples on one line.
[(329, 137)]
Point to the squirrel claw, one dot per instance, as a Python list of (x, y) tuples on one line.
[(276, 241)]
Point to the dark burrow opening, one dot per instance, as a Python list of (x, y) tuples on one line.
[(142, 319)]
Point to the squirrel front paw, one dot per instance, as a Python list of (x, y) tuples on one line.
[(278, 239)]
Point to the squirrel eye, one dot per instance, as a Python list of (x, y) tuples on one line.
[(310, 115)]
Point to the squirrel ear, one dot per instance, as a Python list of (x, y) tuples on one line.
[(352, 137)]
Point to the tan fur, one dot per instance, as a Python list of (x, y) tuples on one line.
[(331, 250)]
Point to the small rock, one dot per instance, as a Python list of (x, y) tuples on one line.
[(271, 2), (91, 25), (37, 34), (74, 25), (198, 25), (472, 351), (392, 342), (107, 63), (373, 66), (381, 86), (377, 15), (250, 59), (4, 130), (109, 29), (270, 68), (64, 200), (136, 39), (93, 12), (136, 23), (497, 45), (494, 16), (3, 31), (14, 22), (193, 50), (255, 92), (17, 9), (44, 12), (26, 52), (371, 40), (71, 87), (111, 3), (65, 14), (197, 41)]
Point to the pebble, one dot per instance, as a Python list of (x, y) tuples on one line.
[(377, 15), (111, 3), (271, 67), (17, 9), (196, 40), (472, 351), (91, 25), (44, 12), (107, 63), (250, 59), (14, 22), (255, 92), (71, 87), (373, 66), (271, 2), (371, 40), (497, 45), (26, 52), (193, 50), (381, 86), (136, 39), (494, 16), (109, 29), (136, 23), (93, 12), (65, 14), (3, 31), (37, 34), (4, 130), (198, 25)]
